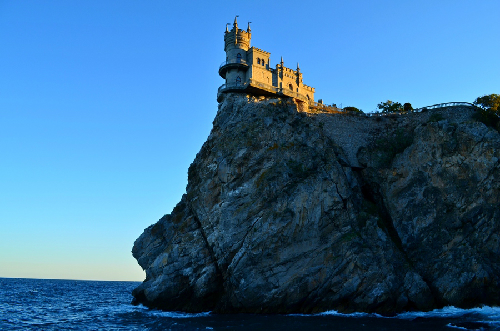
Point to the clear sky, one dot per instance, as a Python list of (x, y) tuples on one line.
[(104, 104)]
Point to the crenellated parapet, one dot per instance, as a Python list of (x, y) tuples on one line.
[(260, 50), (237, 38)]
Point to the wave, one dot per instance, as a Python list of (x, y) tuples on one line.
[(446, 312), (464, 319), (492, 313), (170, 314)]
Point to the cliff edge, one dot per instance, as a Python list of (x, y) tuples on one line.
[(290, 212)]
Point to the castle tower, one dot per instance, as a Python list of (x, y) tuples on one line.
[(236, 46)]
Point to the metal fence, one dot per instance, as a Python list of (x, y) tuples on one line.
[(446, 104), (240, 61), (419, 110)]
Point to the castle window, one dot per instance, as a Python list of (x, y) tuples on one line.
[(258, 61), (263, 62), (238, 81), (290, 86), (238, 58)]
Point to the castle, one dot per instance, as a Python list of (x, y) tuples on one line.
[(248, 69)]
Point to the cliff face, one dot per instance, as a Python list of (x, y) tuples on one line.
[(293, 212)]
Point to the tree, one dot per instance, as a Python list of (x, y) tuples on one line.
[(407, 107), (489, 113), (390, 107), (489, 102), (353, 109)]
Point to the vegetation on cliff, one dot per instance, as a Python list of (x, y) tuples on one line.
[(489, 112)]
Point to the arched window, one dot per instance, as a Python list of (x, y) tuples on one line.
[(258, 61), (263, 63), (238, 81), (308, 97), (238, 58), (290, 86)]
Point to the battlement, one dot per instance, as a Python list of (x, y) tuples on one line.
[(309, 88), (237, 38), (253, 48)]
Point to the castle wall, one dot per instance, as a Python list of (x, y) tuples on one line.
[(259, 61), (307, 91), (288, 77), (232, 54), (255, 53), (232, 74), (261, 74)]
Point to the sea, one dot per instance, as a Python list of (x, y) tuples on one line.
[(49, 304)]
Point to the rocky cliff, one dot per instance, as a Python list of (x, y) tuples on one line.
[(298, 212)]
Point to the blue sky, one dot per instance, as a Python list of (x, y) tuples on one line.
[(104, 104)]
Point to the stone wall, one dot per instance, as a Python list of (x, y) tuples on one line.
[(352, 132)]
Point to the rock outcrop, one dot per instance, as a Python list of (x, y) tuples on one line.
[(290, 212)]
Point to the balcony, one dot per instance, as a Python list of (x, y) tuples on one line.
[(232, 64), (259, 88), (230, 88)]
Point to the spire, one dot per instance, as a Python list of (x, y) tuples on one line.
[(227, 30), (282, 61), (248, 30), (235, 24), (298, 68)]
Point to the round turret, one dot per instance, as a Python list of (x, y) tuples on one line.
[(237, 38), (236, 45)]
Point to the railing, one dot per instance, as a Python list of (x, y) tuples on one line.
[(278, 90), (446, 104), (419, 110), (240, 86), (293, 94), (264, 86), (234, 61)]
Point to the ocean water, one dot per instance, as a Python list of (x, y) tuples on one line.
[(42, 304)]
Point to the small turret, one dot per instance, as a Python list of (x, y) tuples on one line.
[(237, 38)]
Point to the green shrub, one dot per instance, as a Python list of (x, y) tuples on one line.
[(388, 147), (435, 117), (353, 110), (489, 113), (488, 117), (390, 107), (407, 107), (490, 102)]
